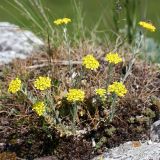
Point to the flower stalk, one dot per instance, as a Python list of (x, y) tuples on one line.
[(67, 44), (74, 111), (113, 107)]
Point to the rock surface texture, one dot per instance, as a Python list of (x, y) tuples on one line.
[(150, 150), (155, 131), (16, 43), (146, 151)]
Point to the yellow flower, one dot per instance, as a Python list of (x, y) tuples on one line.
[(62, 21), (113, 58), (90, 62), (118, 88), (14, 85), (66, 20), (147, 26), (42, 83), (75, 95), (101, 92), (39, 108), (58, 22)]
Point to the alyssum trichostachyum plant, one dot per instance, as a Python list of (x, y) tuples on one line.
[(63, 22), (42, 99), (44, 103)]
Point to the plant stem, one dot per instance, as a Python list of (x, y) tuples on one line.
[(110, 69), (27, 97), (113, 109), (68, 48), (74, 115)]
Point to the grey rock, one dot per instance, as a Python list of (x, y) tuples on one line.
[(155, 131), (146, 151), (16, 43)]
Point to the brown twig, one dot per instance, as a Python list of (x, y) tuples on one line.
[(55, 63)]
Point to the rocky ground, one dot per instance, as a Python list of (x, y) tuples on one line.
[(136, 150), (17, 43), (146, 151)]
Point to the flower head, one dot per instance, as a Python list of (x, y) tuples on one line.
[(147, 26), (61, 21), (75, 95), (58, 22), (66, 20), (101, 92), (90, 62), (118, 88), (14, 85), (42, 83), (113, 58), (39, 108)]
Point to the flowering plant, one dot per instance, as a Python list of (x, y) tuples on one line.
[(113, 58), (75, 95), (42, 83), (44, 103), (90, 62), (148, 26), (15, 85), (62, 21)]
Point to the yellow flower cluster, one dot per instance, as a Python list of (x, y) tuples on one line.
[(75, 95), (62, 21), (147, 26), (14, 85), (39, 108), (101, 92), (118, 88), (90, 62), (113, 58), (42, 83)]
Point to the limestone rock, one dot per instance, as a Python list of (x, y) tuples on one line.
[(146, 151), (16, 43), (155, 131)]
